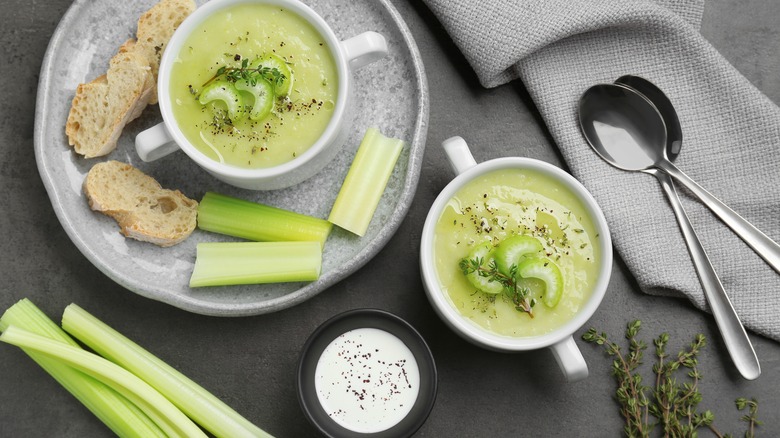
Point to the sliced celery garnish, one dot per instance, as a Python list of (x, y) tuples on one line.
[(249, 220), (202, 406), (226, 93), (276, 71), (485, 253), (544, 269), (262, 97), (113, 409), (170, 419), (226, 263), (512, 250), (365, 182)]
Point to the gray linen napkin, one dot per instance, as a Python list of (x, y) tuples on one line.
[(731, 145)]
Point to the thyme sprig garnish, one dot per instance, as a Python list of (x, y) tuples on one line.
[(751, 418), (673, 405), (251, 75), (520, 296)]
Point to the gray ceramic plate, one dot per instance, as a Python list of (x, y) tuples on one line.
[(390, 94)]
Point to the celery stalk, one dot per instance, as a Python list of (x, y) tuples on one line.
[(170, 419), (114, 410), (227, 263), (203, 407), (365, 182), (252, 221)]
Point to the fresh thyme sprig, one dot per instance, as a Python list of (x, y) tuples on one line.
[(251, 75), (672, 404), (751, 417), (676, 405), (520, 296), (631, 394)]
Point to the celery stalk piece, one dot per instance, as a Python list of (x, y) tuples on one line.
[(120, 415), (170, 419), (249, 220), (202, 406), (230, 263), (365, 182)]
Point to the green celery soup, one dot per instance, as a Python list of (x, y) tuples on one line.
[(512, 202), (248, 32)]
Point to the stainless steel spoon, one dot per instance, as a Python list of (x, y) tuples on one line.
[(734, 336), (627, 131)]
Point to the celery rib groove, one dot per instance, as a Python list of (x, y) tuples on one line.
[(365, 182)]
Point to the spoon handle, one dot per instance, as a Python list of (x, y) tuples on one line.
[(765, 247), (734, 335)]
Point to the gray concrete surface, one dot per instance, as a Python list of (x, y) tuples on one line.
[(250, 362)]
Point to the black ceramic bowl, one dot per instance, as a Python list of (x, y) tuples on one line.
[(357, 319)]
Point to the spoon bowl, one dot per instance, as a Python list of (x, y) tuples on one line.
[(623, 127), (674, 135)]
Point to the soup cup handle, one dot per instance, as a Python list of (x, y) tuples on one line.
[(570, 359), (458, 154), (155, 143), (363, 49)]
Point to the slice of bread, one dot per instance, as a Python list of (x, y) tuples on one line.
[(102, 108), (155, 28), (143, 209)]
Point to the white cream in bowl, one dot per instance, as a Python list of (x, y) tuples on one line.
[(367, 380)]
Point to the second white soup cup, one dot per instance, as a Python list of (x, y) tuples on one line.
[(560, 341)]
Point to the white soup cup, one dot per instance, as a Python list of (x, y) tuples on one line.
[(561, 340), (167, 137)]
